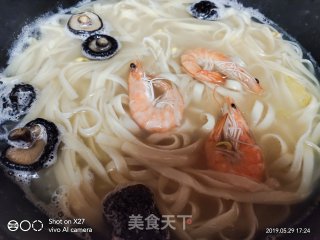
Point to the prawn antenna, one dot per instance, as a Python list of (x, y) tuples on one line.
[(215, 97)]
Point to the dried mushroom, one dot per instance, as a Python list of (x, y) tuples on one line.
[(128, 201), (100, 47), (17, 101), (31, 147), (204, 10), (84, 24)]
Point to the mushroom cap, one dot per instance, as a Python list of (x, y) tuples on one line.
[(38, 154), (100, 47), (204, 10), (26, 156), (22, 96), (84, 24), (126, 201), (15, 101), (20, 134), (26, 136)]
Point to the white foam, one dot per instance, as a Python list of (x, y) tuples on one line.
[(57, 208), (22, 178), (31, 32), (7, 113), (224, 7)]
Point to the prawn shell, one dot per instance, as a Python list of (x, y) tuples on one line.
[(151, 113)]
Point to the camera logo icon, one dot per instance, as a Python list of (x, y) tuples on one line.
[(25, 225), (13, 225)]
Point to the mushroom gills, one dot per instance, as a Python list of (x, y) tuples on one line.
[(100, 47), (84, 24), (31, 147)]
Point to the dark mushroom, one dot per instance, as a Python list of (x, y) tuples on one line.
[(18, 101), (204, 10), (22, 96), (23, 134), (84, 24), (100, 47), (31, 147), (133, 200)]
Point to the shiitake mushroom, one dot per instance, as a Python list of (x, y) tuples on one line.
[(31, 147), (21, 97), (132, 200), (100, 47), (18, 101), (84, 24), (204, 10)]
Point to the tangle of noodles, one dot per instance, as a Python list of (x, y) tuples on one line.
[(103, 147)]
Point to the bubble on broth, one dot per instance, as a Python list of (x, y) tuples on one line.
[(16, 99), (225, 8), (24, 178), (57, 209), (32, 31)]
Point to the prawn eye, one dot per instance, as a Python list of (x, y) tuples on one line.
[(133, 66), (233, 106), (257, 80)]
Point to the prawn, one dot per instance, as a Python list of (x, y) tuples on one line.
[(230, 147), (214, 67), (155, 104)]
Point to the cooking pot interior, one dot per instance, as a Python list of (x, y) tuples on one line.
[(301, 19)]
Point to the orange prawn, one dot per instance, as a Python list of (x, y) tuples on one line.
[(156, 105), (210, 66), (230, 147)]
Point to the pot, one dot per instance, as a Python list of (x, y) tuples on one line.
[(300, 19)]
